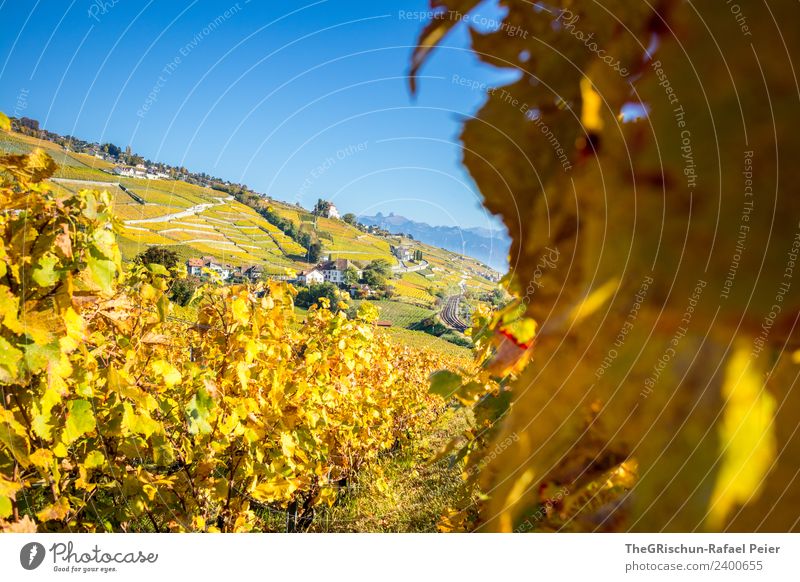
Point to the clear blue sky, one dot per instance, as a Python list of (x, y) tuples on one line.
[(275, 94)]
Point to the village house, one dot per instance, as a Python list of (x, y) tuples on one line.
[(125, 171), (252, 272), (140, 172), (332, 212), (311, 277), (360, 291), (221, 269), (402, 252), (196, 266), (334, 270)]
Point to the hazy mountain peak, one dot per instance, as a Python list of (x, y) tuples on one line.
[(486, 245)]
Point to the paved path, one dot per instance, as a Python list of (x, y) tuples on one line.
[(401, 268), (86, 182), (197, 209)]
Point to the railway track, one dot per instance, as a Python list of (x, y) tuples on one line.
[(450, 315)]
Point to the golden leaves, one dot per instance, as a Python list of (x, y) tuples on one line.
[(592, 102), (627, 203), (168, 373), (8, 492), (747, 436), (191, 421), (240, 310), (55, 511)]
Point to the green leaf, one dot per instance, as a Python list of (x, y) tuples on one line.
[(94, 459), (158, 269), (198, 411), (90, 211), (138, 423), (492, 407), (80, 420), (37, 357), (12, 436), (445, 383), (162, 306), (45, 274), (9, 358), (102, 270)]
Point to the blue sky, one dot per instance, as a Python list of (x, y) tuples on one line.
[(298, 99)]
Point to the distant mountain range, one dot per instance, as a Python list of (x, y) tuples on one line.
[(488, 246)]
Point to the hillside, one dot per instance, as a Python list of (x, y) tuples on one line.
[(196, 221), (483, 244)]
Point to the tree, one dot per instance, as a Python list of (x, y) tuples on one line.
[(182, 290), (351, 276), (377, 272), (160, 255), (497, 297), (29, 123), (311, 295), (350, 219), (111, 150), (381, 266), (373, 278), (321, 208), (314, 252)]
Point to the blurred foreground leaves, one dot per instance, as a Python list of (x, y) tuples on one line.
[(671, 402)]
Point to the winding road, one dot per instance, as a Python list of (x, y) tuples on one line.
[(197, 209), (403, 268)]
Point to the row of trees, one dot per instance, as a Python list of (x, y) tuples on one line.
[(304, 238)]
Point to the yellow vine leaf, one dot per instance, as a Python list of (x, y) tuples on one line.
[(115, 392), (591, 116), (747, 437), (516, 492), (55, 511), (8, 490), (75, 329), (593, 301), (167, 371), (241, 311)]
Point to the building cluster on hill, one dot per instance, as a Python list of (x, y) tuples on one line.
[(141, 171), (225, 271), (340, 272), (129, 164)]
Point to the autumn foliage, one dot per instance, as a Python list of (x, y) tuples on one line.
[(662, 389), (117, 417)]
